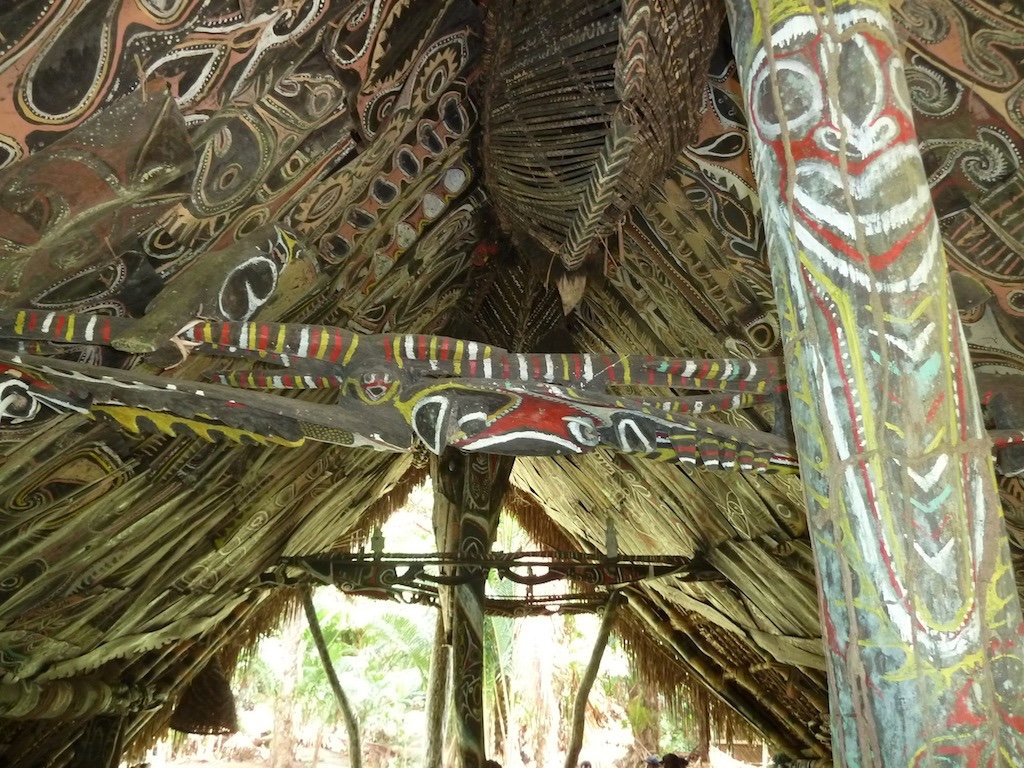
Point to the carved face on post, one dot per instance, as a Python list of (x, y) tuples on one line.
[(851, 141)]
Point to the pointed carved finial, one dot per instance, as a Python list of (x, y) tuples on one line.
[(377, 542), (571, 287)]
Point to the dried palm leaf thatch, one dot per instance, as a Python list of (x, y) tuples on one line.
[(378, 513), (176, 667), (536, 522), (688, 699), (586, 104)]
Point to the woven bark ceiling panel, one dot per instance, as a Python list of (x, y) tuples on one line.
[(586, 105)]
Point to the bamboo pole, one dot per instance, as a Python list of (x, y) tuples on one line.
[(579, 709), (355, 755), (922, 622)]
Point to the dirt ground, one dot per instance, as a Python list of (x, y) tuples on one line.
[(333, 760), (304, 758)]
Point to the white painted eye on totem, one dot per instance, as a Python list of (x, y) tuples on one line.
[(17, 404), (583, 430), (473, 423), (798, 97)]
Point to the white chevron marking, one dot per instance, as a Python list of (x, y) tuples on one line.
[(926, 481), (941, 561)]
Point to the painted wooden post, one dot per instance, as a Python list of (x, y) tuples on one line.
[(920, 612), (468, 492)]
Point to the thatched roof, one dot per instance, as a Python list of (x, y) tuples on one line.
[(130, 563)]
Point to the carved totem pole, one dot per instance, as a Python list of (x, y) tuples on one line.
[(467, 504), (920, 611)]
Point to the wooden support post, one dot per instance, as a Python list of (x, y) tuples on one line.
[(355, 752), (100, 743), (437, 696), (921, 617), (579, 710), (468, 493)]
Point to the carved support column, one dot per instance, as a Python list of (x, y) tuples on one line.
[(468, 493), (921, 618)]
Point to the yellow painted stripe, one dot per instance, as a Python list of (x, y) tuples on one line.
[(207, 333), (896, 429), (280, 339), (935, 441), (325, 337), (565, 366), (396, 347), (251, 328), (351, 349), (69, 334), (627, 375), (19, 323), (457, 359)]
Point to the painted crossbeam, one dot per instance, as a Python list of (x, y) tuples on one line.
[(397, 391)]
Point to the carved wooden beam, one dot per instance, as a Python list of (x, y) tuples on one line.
[(398, 390)]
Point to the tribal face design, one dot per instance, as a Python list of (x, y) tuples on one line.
[(22, 398), (374, 387), (851, 143)]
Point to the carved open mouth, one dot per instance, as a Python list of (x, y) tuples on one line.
[(859, 213)]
